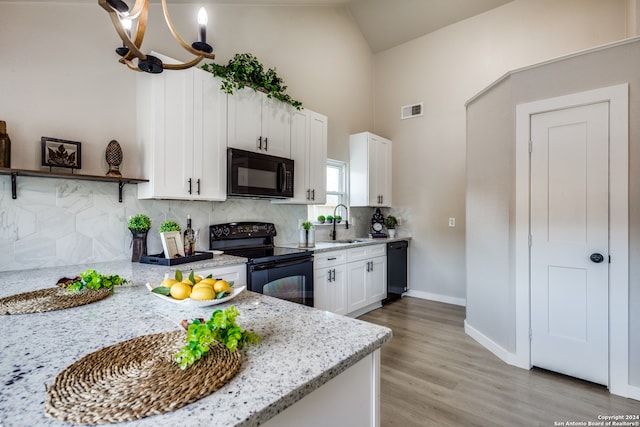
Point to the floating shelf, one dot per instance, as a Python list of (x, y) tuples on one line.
[(45, 174)]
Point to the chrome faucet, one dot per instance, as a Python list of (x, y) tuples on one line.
[(346, 221)]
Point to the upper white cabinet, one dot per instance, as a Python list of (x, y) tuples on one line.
[(181, 135), (369, 170), (309, 152), (258, 123)]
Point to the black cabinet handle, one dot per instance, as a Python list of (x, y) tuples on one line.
[(313, 194), (260, 143), (266, 144), (596, 257), (189, 181), (198, 185)]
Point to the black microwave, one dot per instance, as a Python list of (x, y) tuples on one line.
[(252, 174)]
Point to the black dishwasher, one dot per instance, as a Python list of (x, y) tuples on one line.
[(396, 270)]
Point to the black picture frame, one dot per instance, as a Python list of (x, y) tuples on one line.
[(61, 153)]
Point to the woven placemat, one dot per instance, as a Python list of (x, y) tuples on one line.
[(49, 299), (135, 379)]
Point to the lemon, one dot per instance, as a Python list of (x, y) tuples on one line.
[(209, 281), (202, 293), (202, 285), (197, 278), (187, 282), (221, 286), (168, 282), (180, 290)]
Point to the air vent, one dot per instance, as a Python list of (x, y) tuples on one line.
[(411, 111)]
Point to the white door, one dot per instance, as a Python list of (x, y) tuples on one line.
[(569, 241)]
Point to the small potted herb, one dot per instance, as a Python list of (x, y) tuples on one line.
[(338, 218), (329, 219), (321, 219), (390, 222), (169, 226), (139, 225), (307, 235)]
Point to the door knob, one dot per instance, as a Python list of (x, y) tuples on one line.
[(596, 257)]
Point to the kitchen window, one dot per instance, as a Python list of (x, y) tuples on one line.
[(336, 192)]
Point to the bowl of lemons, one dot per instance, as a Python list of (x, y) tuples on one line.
[(195, 291)]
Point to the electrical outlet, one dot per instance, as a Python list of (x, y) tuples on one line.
[(399, 220), (452, 222)]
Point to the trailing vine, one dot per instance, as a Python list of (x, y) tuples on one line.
[(244, 70)]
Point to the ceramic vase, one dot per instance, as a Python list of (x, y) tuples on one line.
[(113, 156), (138, 245), (392, 233)]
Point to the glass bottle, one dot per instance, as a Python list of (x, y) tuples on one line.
[(189, 239)]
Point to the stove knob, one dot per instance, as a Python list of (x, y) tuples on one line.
[(225, 230)]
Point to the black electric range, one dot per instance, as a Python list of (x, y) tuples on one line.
[(285, 273)]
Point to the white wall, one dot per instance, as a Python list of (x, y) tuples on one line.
[(60, 77), (445, 69)]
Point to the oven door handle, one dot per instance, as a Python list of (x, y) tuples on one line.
[(274, 264)]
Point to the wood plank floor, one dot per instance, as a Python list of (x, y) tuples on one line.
[(433, 374)]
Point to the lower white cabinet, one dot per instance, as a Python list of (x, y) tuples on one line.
[(349, 281), (330, 281), (367, 275)]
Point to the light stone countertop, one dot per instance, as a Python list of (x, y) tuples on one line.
[(347, 243), (302, 348)]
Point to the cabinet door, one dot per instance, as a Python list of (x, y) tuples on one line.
[(339, 290), (357, 276), (276, 127), (317, 159), (209, 178), (321, 288), (171, 145), (377, 280), (383, 171), (300, 156), (244, 119)]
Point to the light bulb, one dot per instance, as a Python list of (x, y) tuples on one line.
[(126, 23), (202, 16)]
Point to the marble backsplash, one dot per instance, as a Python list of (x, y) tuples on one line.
[(56, 222)]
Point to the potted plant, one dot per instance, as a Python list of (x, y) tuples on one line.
[(329, 219), (307, 235), (390, 222), (169, 226), (139, 225), (321, 219), (338, 218)]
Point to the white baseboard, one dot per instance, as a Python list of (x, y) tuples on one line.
[(633, 392), (493, 347), (437, 297)]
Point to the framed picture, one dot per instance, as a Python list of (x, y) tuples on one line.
[(61, 153), (172, 244)]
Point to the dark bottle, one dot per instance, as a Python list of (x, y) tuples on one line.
[(5, 146), (189, 239)]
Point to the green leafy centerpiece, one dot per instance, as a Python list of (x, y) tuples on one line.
[(91, 279), (220, 328), (244, 70)]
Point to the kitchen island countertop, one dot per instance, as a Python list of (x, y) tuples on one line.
[(302, 348)]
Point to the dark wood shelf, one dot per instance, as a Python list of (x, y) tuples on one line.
[(46, 174)]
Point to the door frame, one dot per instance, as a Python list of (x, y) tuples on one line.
[(618, 98)]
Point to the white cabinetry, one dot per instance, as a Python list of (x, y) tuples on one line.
[(330, 281), (258, 123), (309, 152), (350, 281), (370, 170), (181, 135), (367, 276)]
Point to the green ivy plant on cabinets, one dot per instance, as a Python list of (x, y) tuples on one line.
[(244, 69)]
